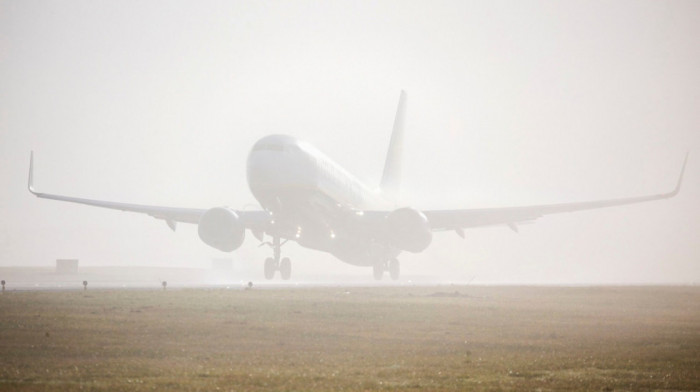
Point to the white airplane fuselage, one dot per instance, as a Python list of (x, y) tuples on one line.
[(313, 200)]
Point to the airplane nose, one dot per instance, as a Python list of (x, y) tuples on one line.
[(269, 170), (260, 172)]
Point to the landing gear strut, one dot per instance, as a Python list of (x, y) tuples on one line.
[(274, 263), (393, 266)]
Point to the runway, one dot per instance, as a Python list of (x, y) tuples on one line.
[(352, 339), (152, 278)]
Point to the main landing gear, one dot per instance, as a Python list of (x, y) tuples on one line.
[(273, 264), (393, 266)]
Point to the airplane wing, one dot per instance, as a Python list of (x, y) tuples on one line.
[(441, 220), (255, 220)]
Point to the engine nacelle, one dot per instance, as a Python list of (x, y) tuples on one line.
[(409, 230), (222, 229)]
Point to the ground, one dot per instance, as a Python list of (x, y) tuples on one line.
[(443, 338)]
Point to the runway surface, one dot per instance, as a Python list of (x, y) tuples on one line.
[(351, 339), (46, 278)]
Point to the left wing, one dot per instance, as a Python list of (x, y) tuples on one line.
[(254, 220), (459, 219)]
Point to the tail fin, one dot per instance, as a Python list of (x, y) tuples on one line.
[(391, 179)]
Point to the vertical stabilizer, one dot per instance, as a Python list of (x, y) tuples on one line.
[(391, 178)]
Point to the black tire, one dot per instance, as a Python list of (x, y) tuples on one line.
[(394, 269), (378, 271), (270, 268), (285, 268)]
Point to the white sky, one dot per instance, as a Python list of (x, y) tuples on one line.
[(509, 103)]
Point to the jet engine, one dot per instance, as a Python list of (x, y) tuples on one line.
[(408, 229), (221, 228)]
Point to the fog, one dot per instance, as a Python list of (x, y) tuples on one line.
[(509, 103)]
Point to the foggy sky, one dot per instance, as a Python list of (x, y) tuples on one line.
[(509, 103)]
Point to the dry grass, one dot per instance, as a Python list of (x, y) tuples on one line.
[(492, 338)]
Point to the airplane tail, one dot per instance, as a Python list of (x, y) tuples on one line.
[(391, 178)]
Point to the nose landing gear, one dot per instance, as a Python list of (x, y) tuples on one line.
[(273, 264), (270, 268), (285, 268)]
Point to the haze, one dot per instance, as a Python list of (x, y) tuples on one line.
[(509, 103)]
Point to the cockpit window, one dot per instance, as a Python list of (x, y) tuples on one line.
[(268, 147), (276, 147)]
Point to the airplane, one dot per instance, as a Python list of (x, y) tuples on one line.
[(308, 198)]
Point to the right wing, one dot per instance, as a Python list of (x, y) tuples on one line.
[(254, 220), (460, 219)]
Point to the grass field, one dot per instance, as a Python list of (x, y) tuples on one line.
[(394, 338)]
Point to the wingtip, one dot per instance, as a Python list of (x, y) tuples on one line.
[(30, 181), (680, 177)]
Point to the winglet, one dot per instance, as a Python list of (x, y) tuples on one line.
[(680, 177), (30, 183)]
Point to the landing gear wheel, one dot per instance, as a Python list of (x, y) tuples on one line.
[(394, 269), (285, 268), (270, 268), (378, 271)]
